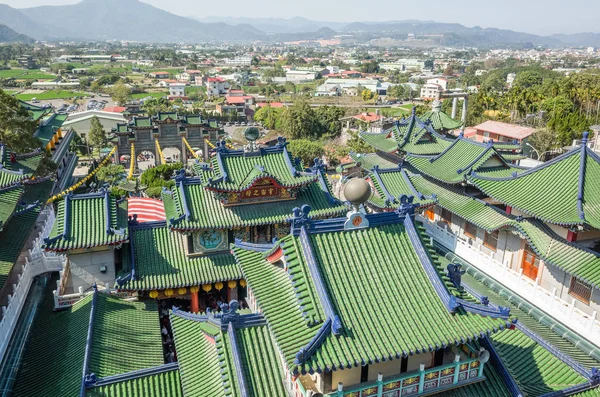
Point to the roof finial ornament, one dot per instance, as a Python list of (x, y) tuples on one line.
[(461, 134), (406, 205), (357, 191), (584, 139), (455, 273), (300, 216)]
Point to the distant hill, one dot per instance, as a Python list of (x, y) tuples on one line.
[(98, 20), (123, 20), (7, 35)]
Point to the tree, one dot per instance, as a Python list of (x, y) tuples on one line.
[(157, 105), (329, 119), (543, 140), (269, 117), (396, 91), (120, 93), (449, 71), (367, 95), (290, 87), (357, 145), (97, 135), (158, 177), (111, 174), (370, 67), (306, 150), (299, 121), (528, 78), (16, 126)]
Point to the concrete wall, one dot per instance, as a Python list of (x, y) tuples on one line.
[(415, 361), (85, 269), (387, 368), (348, 376)]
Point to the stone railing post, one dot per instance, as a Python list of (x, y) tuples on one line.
[(571, 310), (456, 368), (592, 321), (340, 389), (421, 377), (379, 384)]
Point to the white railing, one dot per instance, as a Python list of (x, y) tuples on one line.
[(547, 301), (36, 262)]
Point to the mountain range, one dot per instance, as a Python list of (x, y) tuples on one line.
[(7, 35), (133, 20)]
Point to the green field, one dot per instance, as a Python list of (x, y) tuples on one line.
[(393, 112), (141, 95), (33, 74), (51, 94)]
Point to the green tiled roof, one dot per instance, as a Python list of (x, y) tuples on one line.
[(165, 384), (369, 160), (202, 363), (396, 183), (536, 370), (126, 336), (49, 127), (86, 223), (462, 157), (555, 250), (551, 192), (417, 137), (383, 141), (513, 156), (53, 361), (208, 369), (440, 120), (24, 167), (161, 262), (9, 198), (493, 386), (234, 171), (141, 122), (193, 119), (388, 271), (206, 211), (13, 235), (167, 115)]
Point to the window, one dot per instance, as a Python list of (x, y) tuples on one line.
[(470, 229), (447, 217), (490, 240), (580, 290), (486, 134)]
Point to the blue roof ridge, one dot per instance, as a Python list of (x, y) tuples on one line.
[(581, 181), (237, 360), (87, 378), (389, 198), (140, 373), (481, 155)]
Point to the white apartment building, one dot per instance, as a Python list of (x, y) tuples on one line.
[(177, 89)]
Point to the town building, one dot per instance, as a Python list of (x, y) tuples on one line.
[(177, 90), (502, 132), (81, 121), (216, 86), (404, 65), (434, 88), (159, 75)]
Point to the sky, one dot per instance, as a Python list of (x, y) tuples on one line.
[(532, 16)]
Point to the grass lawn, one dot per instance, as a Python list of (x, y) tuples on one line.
[(141, 95), (9, 92), (50, 94), (24, 74), (393, 112)]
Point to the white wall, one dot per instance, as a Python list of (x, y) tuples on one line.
[(85, 269), (348, 376)]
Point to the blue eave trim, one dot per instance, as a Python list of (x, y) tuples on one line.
[(431, 160), (311, 347), (318, 281), (497, 362), (239, 369), (184, 203), (391, 199), (88, 343), (142, 373), (325, 188), (582, 164), (107, 212), (288, 162), (252, 246), (222, 168), (132, 254), (66, 223)]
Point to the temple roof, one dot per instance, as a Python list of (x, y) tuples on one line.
[(160, 261), (9, 199), (581, 263), (462, 157), (209, 359), (563, 191), (440, 120), (87, 221), (191, 206), (392, 183), (49, 127), (112, 349), (369, 160), (395, 275), (236, 171), (15, 167)]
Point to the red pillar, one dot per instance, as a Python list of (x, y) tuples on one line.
[(571, 236), (195, 305), (508, 209)]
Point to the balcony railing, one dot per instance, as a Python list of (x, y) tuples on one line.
[(586, 325), (417, 383)]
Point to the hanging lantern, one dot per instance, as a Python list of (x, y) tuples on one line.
[(206, 287), (181, 290), (194, 289), (168, 292), (231, 284), (153, 294), (243, 283), (219, 286)]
